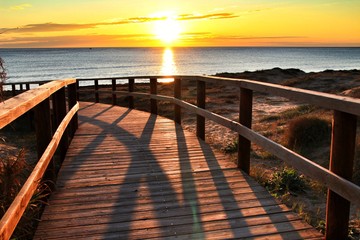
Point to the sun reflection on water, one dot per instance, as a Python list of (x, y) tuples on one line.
[(168, 66)]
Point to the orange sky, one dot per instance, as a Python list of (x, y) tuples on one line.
[(134, 23)]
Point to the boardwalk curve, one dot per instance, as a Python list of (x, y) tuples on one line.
[(133, 175)]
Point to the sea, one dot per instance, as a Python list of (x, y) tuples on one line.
[(26, 65)]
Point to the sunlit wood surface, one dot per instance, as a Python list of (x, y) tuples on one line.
[(132, 175)]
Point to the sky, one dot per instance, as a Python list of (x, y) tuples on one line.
[(157, 23)]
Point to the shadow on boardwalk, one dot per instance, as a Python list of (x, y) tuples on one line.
[(132, 175)]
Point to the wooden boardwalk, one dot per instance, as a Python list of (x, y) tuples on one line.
[(132, 175)]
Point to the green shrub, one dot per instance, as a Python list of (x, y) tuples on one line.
[(306, 132), (286, 181)]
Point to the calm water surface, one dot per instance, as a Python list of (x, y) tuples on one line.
[(48, 64)]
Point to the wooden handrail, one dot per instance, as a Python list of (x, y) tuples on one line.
[(325, 100), (10, 110), (13, 214), (335, 179), (16, 106)]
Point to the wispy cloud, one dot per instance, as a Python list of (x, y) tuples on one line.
[(56, 27), (73, 40), (20, 7), (206, 16), (261, 37)]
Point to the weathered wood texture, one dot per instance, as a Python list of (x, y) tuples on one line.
[(132, 175), (13, 214)]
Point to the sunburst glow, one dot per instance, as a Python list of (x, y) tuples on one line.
[(167, 30)]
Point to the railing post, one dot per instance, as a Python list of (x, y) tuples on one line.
[(131, 89), (245, 118), (153, 90), (59, 106), (96, 84), (44, 134), (177, 94), (113, 85), (200, 120), (72, 99), (13, 87), (77, 88), (27, 86), (21, 87), (341, 163)]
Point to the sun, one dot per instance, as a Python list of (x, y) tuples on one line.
[(167, 29)]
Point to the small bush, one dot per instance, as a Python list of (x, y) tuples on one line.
[(13, 171), (286, 181), (306, 132), (231, 147)]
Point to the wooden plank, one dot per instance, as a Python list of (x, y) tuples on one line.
[(154, 180)]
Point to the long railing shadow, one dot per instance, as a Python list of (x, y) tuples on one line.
[(188, 184), (152, 178), (147, 197), (244, 225)]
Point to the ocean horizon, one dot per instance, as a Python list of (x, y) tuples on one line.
[(40, 64)]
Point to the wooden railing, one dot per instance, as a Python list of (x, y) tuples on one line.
[(53, 131), (341, 191)]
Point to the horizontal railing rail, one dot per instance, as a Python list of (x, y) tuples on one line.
[(346, 109), (52, 133)]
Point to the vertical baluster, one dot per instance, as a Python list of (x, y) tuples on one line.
[(341, 163), (44, 135), (153, 90), (131, 89), (96, 84), (200, 120), (59, 108), (72, 99), (245, 117), (177, 94), (13, 87), (77, 87), (113, 84)]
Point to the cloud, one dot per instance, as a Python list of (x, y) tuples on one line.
[(56, 27), (261, 37), (20, 7), (206, 16), (74, 40)]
